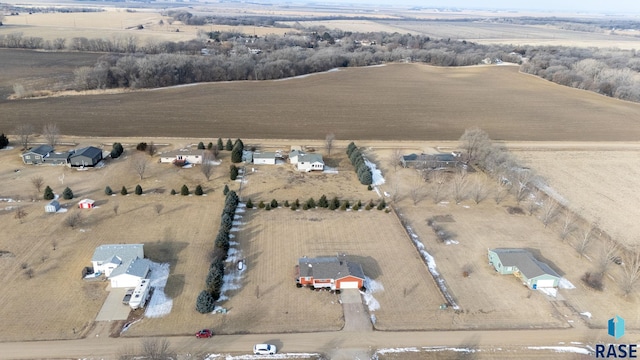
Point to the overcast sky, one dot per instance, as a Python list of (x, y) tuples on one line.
[(616, 6)]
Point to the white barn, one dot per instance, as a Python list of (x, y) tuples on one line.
[(107, 258), (264, 158), (310, 162)]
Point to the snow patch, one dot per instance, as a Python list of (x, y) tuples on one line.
[(553, 292), (330, 170), (252, 357), (397, 350), (372, 287), (159, 305), (375, 173), (565, 284), (563, 349), (587, 314), (451, 242), (443, 348), (307, 75)]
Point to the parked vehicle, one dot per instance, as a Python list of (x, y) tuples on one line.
[(264, 349), (204, 334), (140, 295), (127, 296)]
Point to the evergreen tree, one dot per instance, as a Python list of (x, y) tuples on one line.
[(297, 203), (233, 173), (359, 204), (209, 146), (369, 187), (350, 148), (336, 202), (205, 302), (173, 191), (261, 204), (311, 203), (381, 205), (123, 191), (249, 204), (220, 145), (184, 191), (225, 191), (4, 141), (214, 278), (267, 207), (323, 203), (199, 191), (345, 205), (286, 203), (356, 207), (116, 150), (294, 207), (274, 203), (229, 145), (226, 222), (108, 191), (67, 194), (48, 193), (200, 145), (138, 190), (236, 152), (305, 206), (222, 240)]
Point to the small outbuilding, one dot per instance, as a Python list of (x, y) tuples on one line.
[(52, 206), (264, 158), (521, 263), (86, 204), (329, 272)]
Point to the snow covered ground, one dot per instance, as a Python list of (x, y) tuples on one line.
[(372, 287), (378, 179), (159, 305), (562, 349), (565, 284), (251, 357)]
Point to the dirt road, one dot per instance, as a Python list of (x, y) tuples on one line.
[(324, 342)]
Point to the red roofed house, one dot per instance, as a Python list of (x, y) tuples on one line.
[(329, 272)]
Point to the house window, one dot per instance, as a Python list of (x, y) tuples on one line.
[(27, 156), (308, 278)]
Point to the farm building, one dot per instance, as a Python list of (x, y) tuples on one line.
[(107, 258), (130, 274), (88, 156), (55, 158), (186, 156), (36, 155), (86, 204), (431, 161), (533, 273), (309, 162), (329, 272), (52, 206), (264, 158)]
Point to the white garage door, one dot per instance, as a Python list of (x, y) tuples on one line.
[(545, 283), (349, 285)]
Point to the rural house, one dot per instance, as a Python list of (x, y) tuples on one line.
[(36, 155), (533, 273), (185, 156), (309, 162), (123, 264), (294, 153), (88, 156), (55, 158), (430, 161), (329, 272), (264, 158)]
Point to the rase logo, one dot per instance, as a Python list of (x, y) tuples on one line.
[(615, 328)]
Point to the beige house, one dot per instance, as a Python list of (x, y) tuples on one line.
[(186, 155)]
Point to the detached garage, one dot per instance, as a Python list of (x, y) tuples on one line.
[(329, 272), (86, 204), (521, 263), (264, 158)]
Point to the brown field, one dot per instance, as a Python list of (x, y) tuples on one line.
[(398, 101)]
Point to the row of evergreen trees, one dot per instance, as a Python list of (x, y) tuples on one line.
[(236, 148), (215, 278), (323, 202), (363, 171), (67, 194), (138, 190)]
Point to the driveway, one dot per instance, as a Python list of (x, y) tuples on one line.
[(113, 309), (356, 317)]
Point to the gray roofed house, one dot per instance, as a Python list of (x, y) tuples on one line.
[(55, 158), (88, 156), (430, 160), (533, 273), (106, 258), (331, 272), (309, 162), (130, 273), (36, 155)]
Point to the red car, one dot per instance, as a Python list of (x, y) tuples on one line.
[(204, 334)]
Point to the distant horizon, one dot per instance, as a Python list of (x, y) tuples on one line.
[(567, 6)]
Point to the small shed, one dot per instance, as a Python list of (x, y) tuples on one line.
[(268, 158), (52, 206), (86, 204), (88, 156)]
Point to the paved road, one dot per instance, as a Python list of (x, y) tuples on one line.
[(328, 343)]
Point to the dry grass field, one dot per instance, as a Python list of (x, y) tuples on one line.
[(399, 101)]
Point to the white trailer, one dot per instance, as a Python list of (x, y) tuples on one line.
[(140, 294)]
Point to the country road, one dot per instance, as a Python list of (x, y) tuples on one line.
[(331, 344)]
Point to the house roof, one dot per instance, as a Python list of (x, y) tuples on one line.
[(56, 155), (54, 203), (184, 152), (86, 201), (89, 151), (329, 268), (264, 155), (310, 158), (524, 261), (124, 252), (429, 157), (40, 150), (135, 267)]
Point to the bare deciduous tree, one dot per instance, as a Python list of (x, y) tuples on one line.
[(139, 163), (631, 272), (478, 190), (73, 220), (549, 211), (38, 182), (151, 149), (522, 179), (207, 164), (475, 143), (606, 255), (459, 186), (533, 204), (416, 191), (20, 215), (328, 142), (438, 180), (394, 158), (157, 349), (51, 133), (158, 208), (568, 223), (501, 193), (24, 132), (584, 239)]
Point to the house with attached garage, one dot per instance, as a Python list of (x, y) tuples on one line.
[(521, 263), (36, 155), (309, 162), (334, 273), (85, 157), (186, 156), (123, 264)]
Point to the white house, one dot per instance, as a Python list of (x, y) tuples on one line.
[(309, 162), (107, 258), (130, 273), (186, 155), (268, 158)]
